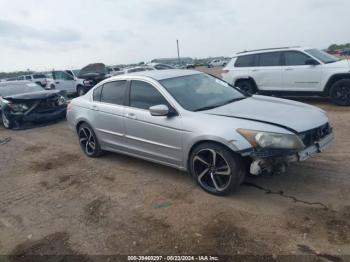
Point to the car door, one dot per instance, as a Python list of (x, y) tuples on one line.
[(298, 75), (64, 81), (157, 138), (267, 71), (107, 114)]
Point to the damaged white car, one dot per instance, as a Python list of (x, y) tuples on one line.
[(197, 123)]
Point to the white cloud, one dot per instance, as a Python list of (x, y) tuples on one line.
[(41, 34)]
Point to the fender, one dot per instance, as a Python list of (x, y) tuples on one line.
[(334, 78)]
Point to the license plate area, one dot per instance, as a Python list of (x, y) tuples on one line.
[(318, 147)]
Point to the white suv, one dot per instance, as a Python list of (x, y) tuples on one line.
[(39, 79), (290, 71), (66, 80)]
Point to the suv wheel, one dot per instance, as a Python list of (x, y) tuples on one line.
[(80, 91), (340, 92), (88, 141), (246, 86), (216, 169)]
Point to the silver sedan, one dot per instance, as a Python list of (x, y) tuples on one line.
[(197, 123)]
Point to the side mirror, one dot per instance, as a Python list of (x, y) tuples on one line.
[(159, 110), (312, 62)]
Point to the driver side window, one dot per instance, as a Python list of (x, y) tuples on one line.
[(60, 75), (294, 58), (144, 95)]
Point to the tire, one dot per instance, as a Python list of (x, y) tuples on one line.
[(247, 87), (206, 171), (88, 141), (7, 123), (80, 91), (340, 92)]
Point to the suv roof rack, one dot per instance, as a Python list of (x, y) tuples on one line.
[(266, 49)]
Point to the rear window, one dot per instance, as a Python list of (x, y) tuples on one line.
[(270, 59), (245, 61), (38, 76)]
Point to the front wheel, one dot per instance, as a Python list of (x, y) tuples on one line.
[(340, 92), (216, 169), (6, 121)]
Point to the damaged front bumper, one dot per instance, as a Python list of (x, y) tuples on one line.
[(39, 117), (276, 161)]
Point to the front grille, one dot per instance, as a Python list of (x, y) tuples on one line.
[(46, 105), (310, 137)]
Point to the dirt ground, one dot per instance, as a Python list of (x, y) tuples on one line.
[(54, 200)]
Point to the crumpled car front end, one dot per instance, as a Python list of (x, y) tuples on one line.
[(268, 158), (35, 107)]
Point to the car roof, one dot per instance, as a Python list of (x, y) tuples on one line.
[(266, 50), (159, 74)]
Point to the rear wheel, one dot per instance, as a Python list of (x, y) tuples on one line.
[(88, 141), (340, 92), (216, 169), (246, 86)]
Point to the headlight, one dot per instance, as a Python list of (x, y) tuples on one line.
[(272, 140), (18, 107), (61, 101)]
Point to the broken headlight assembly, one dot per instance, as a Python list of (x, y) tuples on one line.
[(18, 107), (262, 139), (61, 101)]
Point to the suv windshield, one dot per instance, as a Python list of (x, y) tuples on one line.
[(323, 56), (10, 90), (201, 92)]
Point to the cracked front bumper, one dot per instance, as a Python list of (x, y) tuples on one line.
[(280, 160), (318, 147)]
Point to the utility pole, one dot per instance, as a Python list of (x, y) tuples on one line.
[(178, 51)]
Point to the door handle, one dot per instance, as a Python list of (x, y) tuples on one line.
[(57, 82), (255, 70), (94, 107), (130, 115), (289, 69)]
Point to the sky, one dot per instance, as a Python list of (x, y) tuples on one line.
[(69, 34)]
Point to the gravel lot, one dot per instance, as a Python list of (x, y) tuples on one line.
[(54, 200)]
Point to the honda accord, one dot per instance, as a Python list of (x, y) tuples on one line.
[(197, 123)]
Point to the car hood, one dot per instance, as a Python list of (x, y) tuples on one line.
[(344, 63), (34, 95), (295, 116), (92, 71)]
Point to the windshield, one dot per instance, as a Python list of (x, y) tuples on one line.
[(323, 56), (201, 92), (10, 90)]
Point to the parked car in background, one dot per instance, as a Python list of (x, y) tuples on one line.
[(217, 62), (92, 74), (138, 69), (38, 78), (113, 70), (195, 122), (291, 71), (25, 101), (159, 66), (66, 80)]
